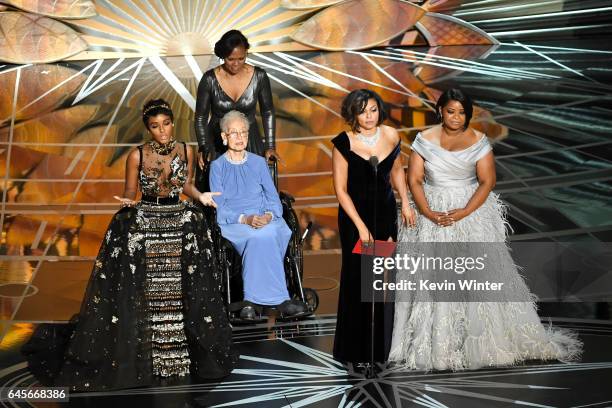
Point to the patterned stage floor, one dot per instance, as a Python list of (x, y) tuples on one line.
[(290, 365)]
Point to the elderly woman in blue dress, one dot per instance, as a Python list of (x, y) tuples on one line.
[(250, 215)]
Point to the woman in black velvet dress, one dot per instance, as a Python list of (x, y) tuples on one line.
[(234, 85), (354, 184)]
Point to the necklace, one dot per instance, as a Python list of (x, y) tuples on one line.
[(163, 149), (239, 161), (369, 141)]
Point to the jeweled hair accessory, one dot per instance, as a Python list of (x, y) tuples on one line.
[(150, 108)]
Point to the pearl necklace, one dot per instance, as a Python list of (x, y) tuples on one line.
[(369, 141), (241, 161)]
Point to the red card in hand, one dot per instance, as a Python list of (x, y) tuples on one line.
[(383, 248)]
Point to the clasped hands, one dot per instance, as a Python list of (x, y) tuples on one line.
[(257, 221), (446, 218)]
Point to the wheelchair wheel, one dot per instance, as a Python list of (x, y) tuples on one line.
[(311, 298)]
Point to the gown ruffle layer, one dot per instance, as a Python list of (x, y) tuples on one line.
[(431, 335)]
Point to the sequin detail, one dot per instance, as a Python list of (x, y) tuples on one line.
[(163, 292), (163, 175)]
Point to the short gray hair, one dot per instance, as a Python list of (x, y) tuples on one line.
[(230, 117)]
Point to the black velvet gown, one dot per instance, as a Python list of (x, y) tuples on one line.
[(214, 102), (352, 342)]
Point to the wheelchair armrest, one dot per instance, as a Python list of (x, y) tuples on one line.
[(285, 196), (273, 168)]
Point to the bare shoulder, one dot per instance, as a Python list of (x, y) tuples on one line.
[(473, 135), (432, 134), (133, 158), (134, 155), (478, 133), (390, 134)]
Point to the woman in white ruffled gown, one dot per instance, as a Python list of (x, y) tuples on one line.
[(451, 177)]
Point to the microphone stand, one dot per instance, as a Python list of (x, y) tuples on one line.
[(371, 370)]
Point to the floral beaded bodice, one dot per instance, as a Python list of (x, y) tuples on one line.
[(162, 172)]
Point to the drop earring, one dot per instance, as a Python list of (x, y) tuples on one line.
[(224, 142)]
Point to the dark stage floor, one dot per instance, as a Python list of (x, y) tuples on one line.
[(290, 365)]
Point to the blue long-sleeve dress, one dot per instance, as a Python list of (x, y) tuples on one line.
[(247, 188)]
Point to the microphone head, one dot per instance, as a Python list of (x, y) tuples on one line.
[(373, 161)]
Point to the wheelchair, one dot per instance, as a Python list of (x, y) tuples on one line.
[(231, 265)]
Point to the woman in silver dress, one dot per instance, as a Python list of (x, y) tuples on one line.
[(451, 177)]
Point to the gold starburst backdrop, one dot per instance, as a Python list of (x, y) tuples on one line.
[(45, 31)]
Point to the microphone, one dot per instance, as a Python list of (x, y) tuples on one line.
[(370, 371), (373, 161)]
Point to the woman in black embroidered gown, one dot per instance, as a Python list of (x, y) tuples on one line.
[(152, 307), (353, 181), (234, 85)]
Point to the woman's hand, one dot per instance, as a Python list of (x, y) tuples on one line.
[(125, 202), (272, 153), (408, 215), (258, 221), (457, 214), (364, 235), (207, 198), (203, 159), (440, 218), (261, 220)]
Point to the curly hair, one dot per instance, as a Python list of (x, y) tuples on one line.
[(355, 103)]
